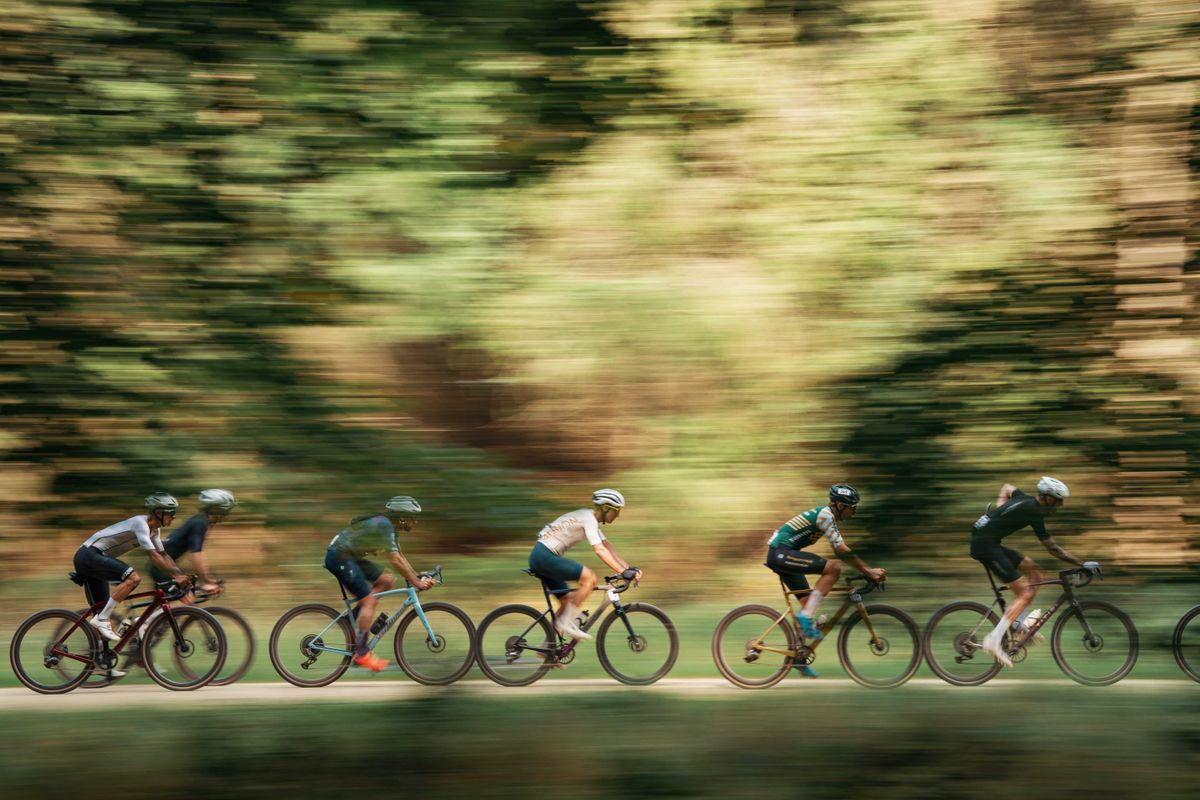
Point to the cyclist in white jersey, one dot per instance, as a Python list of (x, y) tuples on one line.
[(548, 562), (96, 559)]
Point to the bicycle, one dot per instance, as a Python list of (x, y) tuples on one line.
[(311, 644), (55, 650), (879, 645), (1185, 644), (1093, 642), (239, 641), (517, 644)]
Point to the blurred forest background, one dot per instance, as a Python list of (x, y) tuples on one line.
[(498, 253)]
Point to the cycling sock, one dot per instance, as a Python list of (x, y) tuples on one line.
[(813, 602), (108, 609), (361, 650)]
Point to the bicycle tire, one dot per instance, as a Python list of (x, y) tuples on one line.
[(606, 651), (1191, 668), (988, 667), (769, 621), (231, 621), (1095, 609), (30, 674), (207, 637), (340, 662), (420, 674), (880, 612), (505, 665)]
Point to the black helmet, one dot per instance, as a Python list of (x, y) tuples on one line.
[(843, 493)]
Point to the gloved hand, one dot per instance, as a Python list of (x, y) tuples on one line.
[(1092, 567)]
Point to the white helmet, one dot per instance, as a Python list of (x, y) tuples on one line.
[(403, 504), (219, 499), (608, 497), (1053, 487)]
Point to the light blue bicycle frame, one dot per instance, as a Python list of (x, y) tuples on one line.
[(318, 642)]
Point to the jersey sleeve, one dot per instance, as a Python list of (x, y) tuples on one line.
[(591, 529), (146, 540), (829, 529), (1039, 528), (389, 536)]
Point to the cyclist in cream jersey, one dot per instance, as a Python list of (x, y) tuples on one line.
[(548, 561)]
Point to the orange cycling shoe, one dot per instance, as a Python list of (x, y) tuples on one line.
[(371, 661)]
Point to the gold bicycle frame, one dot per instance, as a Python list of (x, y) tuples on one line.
[(850, 591)]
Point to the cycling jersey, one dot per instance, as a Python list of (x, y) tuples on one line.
[(366, 535), (570, 529), (119, 539), (1020, 511), (189, 538), (806, 528)]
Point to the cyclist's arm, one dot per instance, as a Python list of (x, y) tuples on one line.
[(401, 565), (609, 556), (841, 549), (1059, 552), (200, 562), (1006, 493), (167, 564)]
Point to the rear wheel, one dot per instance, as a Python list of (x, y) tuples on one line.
[(1095, 643), (884, 653), (311, 646), (515, 645), (439, 659), (1185, 644), (751, 647), (52, 654), (952, 643), (638, 644), (187, 660)]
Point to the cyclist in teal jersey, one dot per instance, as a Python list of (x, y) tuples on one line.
[(787, 558), (346, 559), (1013, 511)]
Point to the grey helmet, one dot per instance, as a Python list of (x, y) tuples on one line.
[(403, 505), (217, 499), (161, 501), (608, 497), (844, 493)]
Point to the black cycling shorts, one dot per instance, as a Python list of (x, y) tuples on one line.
[(1002, 561), (793, 565), (97, 570)]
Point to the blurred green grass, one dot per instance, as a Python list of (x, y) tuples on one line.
[(1019, 742)]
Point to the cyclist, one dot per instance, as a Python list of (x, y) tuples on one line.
[(346, 559), (787, 558), (96, 559), (215, 505), (1013, 511), (547, 559)]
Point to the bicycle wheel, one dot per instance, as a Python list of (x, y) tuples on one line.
[(641, 648), (952, 639), (1095, 643), (297, 637), (1185, 644), (505, 645), (239, 645), (883, 659), (50, 654), (443, 658), (188, 660), (750, 647)]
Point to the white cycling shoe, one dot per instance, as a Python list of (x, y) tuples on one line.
[(104, 628), (568, 628), (991, 645)]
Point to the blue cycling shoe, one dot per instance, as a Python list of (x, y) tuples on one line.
[(809, 628), (806, 671)]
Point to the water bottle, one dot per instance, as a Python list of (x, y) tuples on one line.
[(581, 620), (378, 624), (124, 626)]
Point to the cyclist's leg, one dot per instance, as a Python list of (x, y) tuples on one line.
[(793, 566), (350, 574), (97, 570), (555, 571), (1003, 563)]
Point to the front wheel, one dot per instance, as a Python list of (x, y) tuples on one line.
[(952, 643), (753, 648), (1095, 643), (311, 645), (637, 644), (187, 660), (445, 656), (1185, 644), (51, 652), (880, 649), (515, 645)]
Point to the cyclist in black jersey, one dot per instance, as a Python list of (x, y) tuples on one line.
[(1013, 511), (188, 539)]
